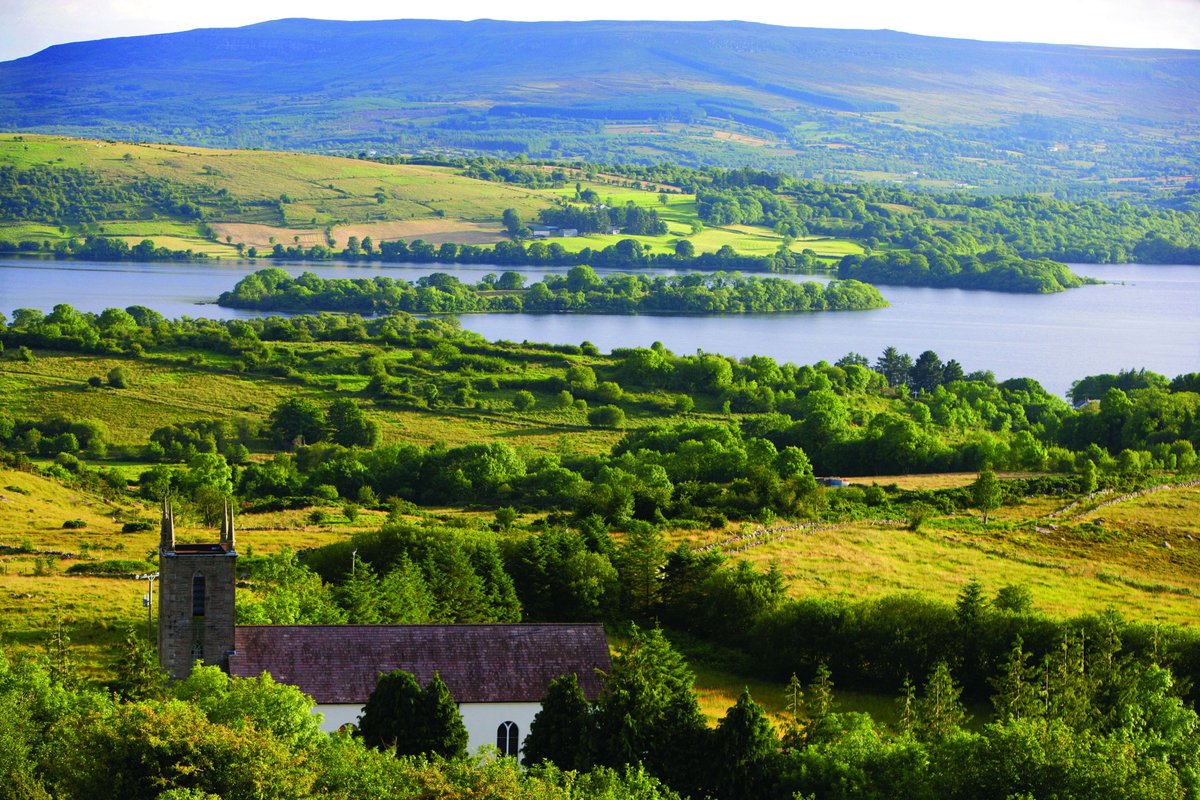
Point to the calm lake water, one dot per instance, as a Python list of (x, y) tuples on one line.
[(1146, 316)]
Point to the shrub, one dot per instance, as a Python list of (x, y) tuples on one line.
[(118, 378), (607, 417), (137, 526), (524, 400), (74, 524), (114, 568)]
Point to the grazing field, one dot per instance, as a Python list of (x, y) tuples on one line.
[(1140, 556)]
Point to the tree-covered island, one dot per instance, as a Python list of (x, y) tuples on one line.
[(580, 290)]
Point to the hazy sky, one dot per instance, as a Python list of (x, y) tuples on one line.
[(27, 26)]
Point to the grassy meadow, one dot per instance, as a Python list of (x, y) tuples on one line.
[(1140, 556)]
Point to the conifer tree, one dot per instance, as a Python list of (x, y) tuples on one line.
[(139, 676), (401, 717), (744, 749), (939, 712), (1016, 686), (443, 730), (361, 595), (558, 731), (793, 699), (391, 712), (818, 697), (649, 713), (405, 598)]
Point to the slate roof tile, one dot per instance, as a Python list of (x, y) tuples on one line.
[(337, 664)]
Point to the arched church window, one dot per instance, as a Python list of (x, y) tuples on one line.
[(508, 740), (198, 597)]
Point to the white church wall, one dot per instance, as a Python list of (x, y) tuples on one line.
[(481, 719), (337, 715)]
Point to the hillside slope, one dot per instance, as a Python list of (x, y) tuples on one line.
[(823, 100)]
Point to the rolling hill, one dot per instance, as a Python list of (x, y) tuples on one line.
[(861, 104)]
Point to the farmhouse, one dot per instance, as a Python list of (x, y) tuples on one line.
[(498, 674), (549, 231)]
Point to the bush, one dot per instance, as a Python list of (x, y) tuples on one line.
[(117, 568), (118, 378), (74, 524), (138, 526), (95, 381), (524, 400), (606, 417)]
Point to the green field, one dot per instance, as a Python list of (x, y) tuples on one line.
[(167, 391)]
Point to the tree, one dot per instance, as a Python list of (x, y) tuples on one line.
[(648, 712), (685, 249), (744, 748), (445, 733), (291, 594), (401, 717), (638, 563), (818, 697), (510, 281), (894, 366), (939, 712), (927, 373), (1088, 477), (986, 492), (349, 426), (1014, 599), (139, 676), (1016, 685), (361, 595), (512, 222), (558, 731), (297, 420), (582, 278)]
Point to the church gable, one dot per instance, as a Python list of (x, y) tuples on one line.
[(340, 664)]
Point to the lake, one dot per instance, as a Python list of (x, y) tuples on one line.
[(1146, 316)]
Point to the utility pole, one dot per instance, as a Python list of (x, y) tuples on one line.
[(148, 602)]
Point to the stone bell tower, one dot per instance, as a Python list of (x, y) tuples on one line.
[(195, 598)]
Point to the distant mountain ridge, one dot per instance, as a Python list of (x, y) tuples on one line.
[(720, 92)]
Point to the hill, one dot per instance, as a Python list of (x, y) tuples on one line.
[(873, 104), (219, 201)]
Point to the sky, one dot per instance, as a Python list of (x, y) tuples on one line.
[(27, 26)]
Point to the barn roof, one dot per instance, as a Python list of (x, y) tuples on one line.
[(479, 663)]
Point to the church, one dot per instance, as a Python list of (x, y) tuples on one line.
[(498, 674)]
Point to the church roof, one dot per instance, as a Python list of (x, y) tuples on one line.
[(337, 664)]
